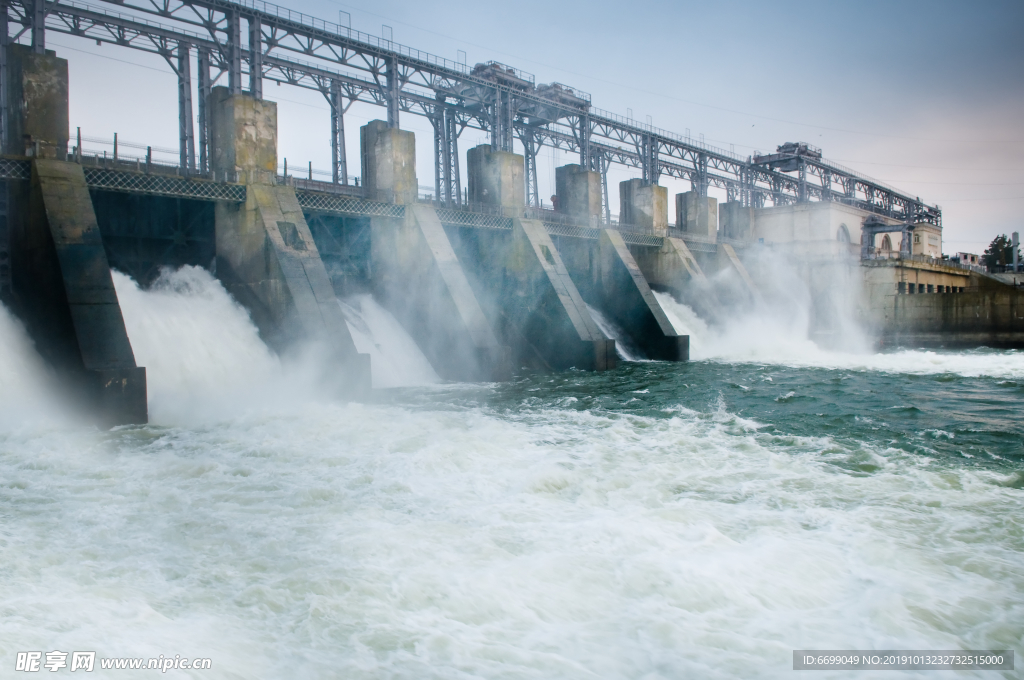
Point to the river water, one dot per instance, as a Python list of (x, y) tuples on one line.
[(656, 521)]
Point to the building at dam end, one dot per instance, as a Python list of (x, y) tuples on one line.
[(481, 275)]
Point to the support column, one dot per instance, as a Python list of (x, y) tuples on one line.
[(186, 142), (255, 58), (37, 19), (389, 163), (4, 76), (697, 215), (447, 184), (416, 273), (266, 255), (453, 190), (579, 193), (60, 278), (530, 149), (644, 206), (234, 52), (204, 87), (339, 159), (496, 178), (736, 221), (393, 91)]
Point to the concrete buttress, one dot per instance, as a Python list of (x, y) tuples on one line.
[(625, 295), (266, 256), (65, 295), (543, 314), (418, 277), (61, 285), (729, 260)]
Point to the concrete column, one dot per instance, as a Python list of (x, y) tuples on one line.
[(736, 221), (644, 206), (37, 99), (243, 131), (496, 177), (60, 276), (388, 163), (266, 256), (697, 215), (579, 192)]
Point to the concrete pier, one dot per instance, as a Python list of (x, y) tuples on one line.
[(736, 221), (644, 206), (418, 277), (416, 273), (496, 177), (61, 283), (266, 255), (388, 163), (579, 192), (697, 215)]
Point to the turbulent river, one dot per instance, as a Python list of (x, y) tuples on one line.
[(697, 520)]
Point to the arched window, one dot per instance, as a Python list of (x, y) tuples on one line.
[(843, 235), (886, 243)]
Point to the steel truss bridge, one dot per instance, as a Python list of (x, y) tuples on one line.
[(346, 66)]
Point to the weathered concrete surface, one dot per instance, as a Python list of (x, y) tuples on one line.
[(541, 312), (815, 221), (625, 295), (955, 308), (644, 205), (579, 192), (989, 314), (697, 215), (388, 163), (418, 277), (496, 177), (266, 256), (38, 110), (65, 295), (736, 221), (243, 144)]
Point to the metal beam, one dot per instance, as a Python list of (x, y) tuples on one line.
[(339, 162), (255, 58), (186, 144)]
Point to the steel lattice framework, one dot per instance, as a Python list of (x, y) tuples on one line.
[(346, 66)]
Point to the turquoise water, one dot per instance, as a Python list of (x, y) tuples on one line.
[(656, 521)]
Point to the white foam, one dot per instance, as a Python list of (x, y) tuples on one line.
[(371, 541), (395, 360), (759, 338), (28, 389), (204, 358)]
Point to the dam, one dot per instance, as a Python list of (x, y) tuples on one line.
[(484, 277)]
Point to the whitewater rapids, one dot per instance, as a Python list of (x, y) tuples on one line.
[(658, 521)]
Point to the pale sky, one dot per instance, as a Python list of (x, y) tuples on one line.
[(926, 96)]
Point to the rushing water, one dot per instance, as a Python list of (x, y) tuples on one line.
[(656, 521)]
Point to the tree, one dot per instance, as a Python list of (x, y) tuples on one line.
[(999, 253)]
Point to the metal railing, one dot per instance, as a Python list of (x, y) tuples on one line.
[(316, 201), (874, 254), (163, 185)]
